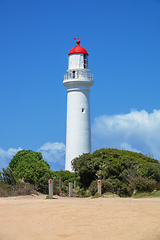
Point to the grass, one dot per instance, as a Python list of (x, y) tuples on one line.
[(155, 193), (147, 194), (97, 195), (104, 195), (17, 190), (110, 195)]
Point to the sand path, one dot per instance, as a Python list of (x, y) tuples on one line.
[(36, 218)]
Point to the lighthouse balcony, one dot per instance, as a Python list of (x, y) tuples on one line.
[(79, 75)]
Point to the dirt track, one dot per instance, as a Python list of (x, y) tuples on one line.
[(35, 218)]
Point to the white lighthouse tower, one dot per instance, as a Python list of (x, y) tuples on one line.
[(78, 81)]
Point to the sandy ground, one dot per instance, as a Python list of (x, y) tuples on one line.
[(37, 218)]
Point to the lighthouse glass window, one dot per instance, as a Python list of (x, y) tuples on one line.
[(85, 61)]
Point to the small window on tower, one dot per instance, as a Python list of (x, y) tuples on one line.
[(85, 61), (83, 110), (73, 74)]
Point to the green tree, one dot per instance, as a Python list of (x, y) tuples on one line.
[(8, 176), (30, 166), (120, 167), (25, 155), (66, 176)]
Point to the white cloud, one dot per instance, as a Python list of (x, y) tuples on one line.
[(6, 156), (53, 152), (136, 131)]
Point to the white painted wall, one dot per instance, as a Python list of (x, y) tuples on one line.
[(76, 61), (78, 131), (78, 137)]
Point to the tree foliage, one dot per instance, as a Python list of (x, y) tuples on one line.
[(66, 177), (30, 166), (120, 167), (25, 155), (8, 176)]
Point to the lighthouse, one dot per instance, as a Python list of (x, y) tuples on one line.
[(78, 81)]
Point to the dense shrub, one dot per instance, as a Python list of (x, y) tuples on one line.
[(120, 167), (42, 184), (154, 171), (82, 193), (5, 189), (19, 189), (143, 184), (66, 177), (65, 189), (23, 189), (106, 186), (97, 195), (30, 166), (8, 176), (158, 186), (56, 190), (25, 155), (122, 189), (85, 169), (93, 187)]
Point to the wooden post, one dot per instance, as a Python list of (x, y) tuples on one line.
[(50, 188), (75, 186), (99, 187), (70, 189), (60, 183)]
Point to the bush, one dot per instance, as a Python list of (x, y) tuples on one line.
[(93, 187), (19, 189), (42, 185), (5, 189), (122, 189), (143, 184), (66, 177), (106, 186), (30, 166), (56, 190), (65, 189), (82, 193), (97, 195), (8, 176), (158, 186), (115, 164), (23, 189), (85, 169)]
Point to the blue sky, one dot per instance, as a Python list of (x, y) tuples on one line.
[(123, 42)]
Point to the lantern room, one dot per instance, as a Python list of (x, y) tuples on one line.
[(78, 57)]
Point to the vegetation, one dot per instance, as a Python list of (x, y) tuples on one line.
[(124, 171), (106, 186), (66, 177), (20, 188), (8, 176), (147, 194), (29, 166)]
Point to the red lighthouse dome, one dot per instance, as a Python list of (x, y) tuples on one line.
[(78, 49)]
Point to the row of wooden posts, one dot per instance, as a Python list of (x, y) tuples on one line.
[(50, 187)]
